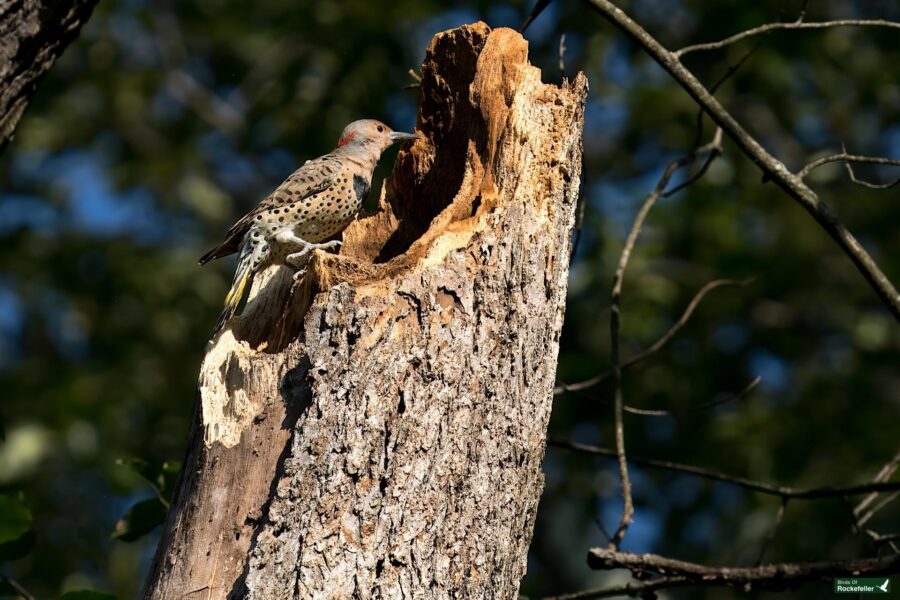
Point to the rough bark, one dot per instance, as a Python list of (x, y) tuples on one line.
[(33, 33), (377, 430)]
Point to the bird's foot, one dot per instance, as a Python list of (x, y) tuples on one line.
[(329, 245), (299, 256)]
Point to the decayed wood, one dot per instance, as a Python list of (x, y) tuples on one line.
[(33, 33), (377, 430)]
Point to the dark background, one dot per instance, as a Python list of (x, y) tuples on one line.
[(166, 120)]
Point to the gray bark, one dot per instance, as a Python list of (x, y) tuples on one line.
[(33, 33), (377, 430)]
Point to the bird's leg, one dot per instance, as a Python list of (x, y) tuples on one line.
[(301, 258)]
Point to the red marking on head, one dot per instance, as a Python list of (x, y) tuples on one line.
[(346, 139)]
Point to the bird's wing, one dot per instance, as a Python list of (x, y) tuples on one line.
[(314, 176)]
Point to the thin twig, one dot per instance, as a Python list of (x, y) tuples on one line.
[(17, 586), (416, 77), (878, 506), (779, 519), (539, 7), (658, 344), (562, 56), (615, 322), (780, 26), (847, 159), (714, 153), (732, 69), (658, 412), (883, 474), (772, 168), (743, 482)]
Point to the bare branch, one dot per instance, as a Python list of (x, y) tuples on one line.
[(648, 412), (712, 147), (777, 576), (26, 595), (880, 539), (748, 484), (799, 24), (539, 7), (772, 168), (658, 344), (847, 159), (713, 155), (677, 573), (883, 475)]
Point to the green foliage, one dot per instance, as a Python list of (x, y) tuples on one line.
[(162, 478), (16, 536), (144, 516), (141, 519)]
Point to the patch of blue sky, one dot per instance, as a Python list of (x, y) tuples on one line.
[(586, 432), (277, 163), (544, 28), (12, 314), (605, 119), (684, 490), (165, 107), (730, 336), (618, 200), (890, 141), (643, 534), (617, 64), (660, 430), (810, 130), (63, 326), (138, 46), (231, 169), (25, 211), (701, 530), (93, 206), (774, 371), (401, 110), (419, 33), (727, 496)]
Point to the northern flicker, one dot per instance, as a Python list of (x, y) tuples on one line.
[(315, 203)]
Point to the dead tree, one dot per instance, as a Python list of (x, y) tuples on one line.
[(377, 430), (33, 33)]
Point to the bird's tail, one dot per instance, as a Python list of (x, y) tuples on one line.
[(241, 278)]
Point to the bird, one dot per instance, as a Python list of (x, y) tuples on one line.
[(316, 202)]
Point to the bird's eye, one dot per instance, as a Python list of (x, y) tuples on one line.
[(380, 129)]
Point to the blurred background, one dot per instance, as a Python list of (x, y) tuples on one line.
[(166, 120)]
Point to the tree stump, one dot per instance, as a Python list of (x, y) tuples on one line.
[(377, 430)]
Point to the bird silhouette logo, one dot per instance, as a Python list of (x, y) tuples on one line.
[(884, 586)]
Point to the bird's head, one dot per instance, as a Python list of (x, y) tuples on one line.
[(366, 139)]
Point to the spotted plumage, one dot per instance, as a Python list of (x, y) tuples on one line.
[(314, 204)]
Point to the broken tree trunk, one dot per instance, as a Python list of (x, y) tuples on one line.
[(33, 33), (377, 430)]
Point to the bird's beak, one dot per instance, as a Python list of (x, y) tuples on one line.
[(399, 136)]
